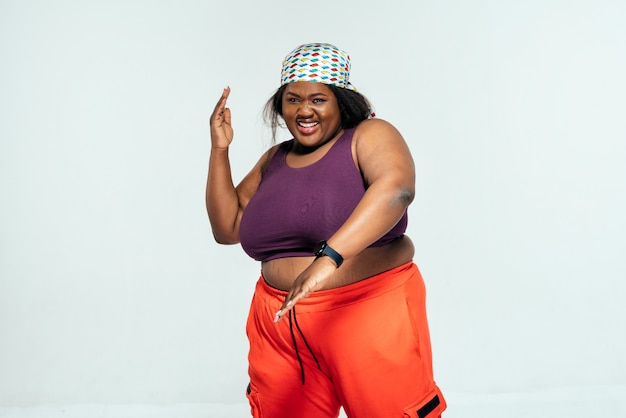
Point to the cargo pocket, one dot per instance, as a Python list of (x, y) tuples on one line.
[(430, 406), (253, 398)]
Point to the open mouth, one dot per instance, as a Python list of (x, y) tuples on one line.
[(307, 128)]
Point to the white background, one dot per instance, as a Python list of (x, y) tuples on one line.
[(111, 287)]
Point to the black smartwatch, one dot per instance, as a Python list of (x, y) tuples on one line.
[(322, 249)]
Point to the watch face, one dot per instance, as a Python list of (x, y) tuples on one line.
[(319, 248)]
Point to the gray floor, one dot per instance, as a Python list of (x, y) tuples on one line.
[(605, 402)]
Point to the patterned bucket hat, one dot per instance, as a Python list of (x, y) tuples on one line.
[(317, 62)]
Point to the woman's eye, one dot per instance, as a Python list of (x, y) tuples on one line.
[(292, 100), (317, 101)]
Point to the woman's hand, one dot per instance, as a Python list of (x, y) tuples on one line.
[(221, 129), (310, 280)]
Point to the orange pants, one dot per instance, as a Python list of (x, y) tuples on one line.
[(364, 346)]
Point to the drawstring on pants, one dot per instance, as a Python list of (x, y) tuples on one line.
[(295, 345)]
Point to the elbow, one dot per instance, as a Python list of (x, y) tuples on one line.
[(225, 236), (224, 232), (404, 196), (225, 239), (219, 239)]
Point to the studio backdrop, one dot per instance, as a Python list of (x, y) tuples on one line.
[(112, 289)]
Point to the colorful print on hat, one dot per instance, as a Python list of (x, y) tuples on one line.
[(319, 63)]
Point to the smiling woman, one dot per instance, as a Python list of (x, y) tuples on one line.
[(311, 113), (326, 213)]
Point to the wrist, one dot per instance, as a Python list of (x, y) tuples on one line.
[(322, 249), (219, 153), (326, 261)]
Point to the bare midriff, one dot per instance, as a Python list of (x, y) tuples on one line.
[(282, 272)]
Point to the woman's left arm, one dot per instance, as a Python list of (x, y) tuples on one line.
[(389, 173)]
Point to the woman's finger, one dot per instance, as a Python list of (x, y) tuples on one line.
[(293, 297), (220, 106), (222, 101)]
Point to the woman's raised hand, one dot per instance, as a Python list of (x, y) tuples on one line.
[(221, 129)]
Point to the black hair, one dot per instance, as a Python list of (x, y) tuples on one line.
[(353, 107)]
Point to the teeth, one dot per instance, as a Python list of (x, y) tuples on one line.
[(307, 125)]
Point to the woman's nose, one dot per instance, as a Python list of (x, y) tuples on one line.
[(305, 109)]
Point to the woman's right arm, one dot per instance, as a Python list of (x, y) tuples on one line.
[(225, 202)]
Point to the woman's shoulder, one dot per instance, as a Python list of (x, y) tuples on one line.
[(376, 129), (268, 155)]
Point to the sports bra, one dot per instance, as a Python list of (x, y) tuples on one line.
[(295, 208)]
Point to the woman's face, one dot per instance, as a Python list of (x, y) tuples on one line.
[(311, 113)]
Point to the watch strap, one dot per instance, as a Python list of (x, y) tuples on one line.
[(323, 249)]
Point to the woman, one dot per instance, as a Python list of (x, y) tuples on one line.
[(338, 316)]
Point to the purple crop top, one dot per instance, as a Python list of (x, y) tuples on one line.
[(295, 208)]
